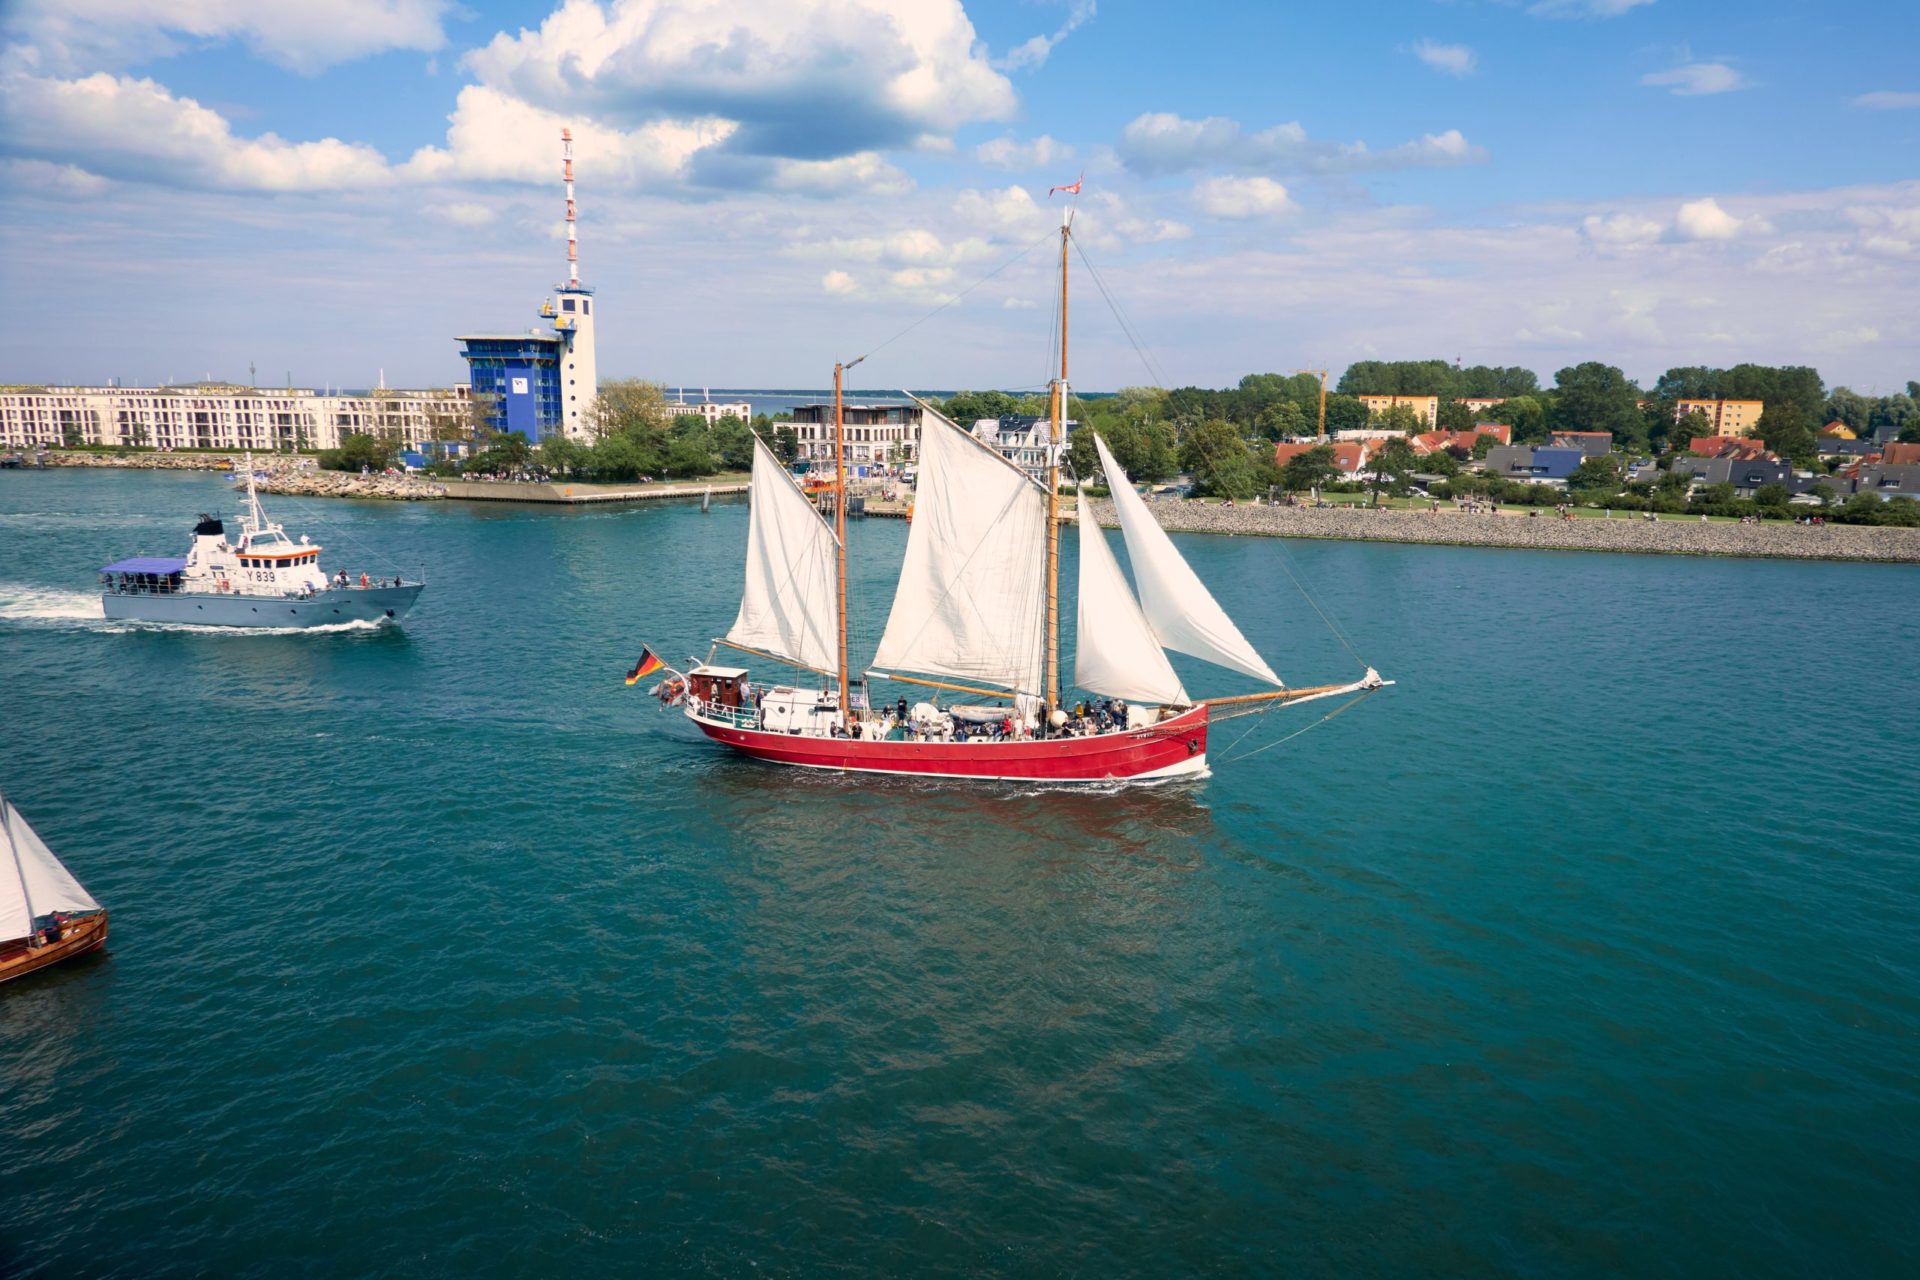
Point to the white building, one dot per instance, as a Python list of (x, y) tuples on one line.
[(1022, 440), (711, 410), (877, 434), (222, 417)]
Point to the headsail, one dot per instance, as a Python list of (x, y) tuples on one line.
[(787, 606), (1115, 651), (1182, 612), (32, 881), (971, 600)]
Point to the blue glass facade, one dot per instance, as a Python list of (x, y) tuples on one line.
[(521, 375)]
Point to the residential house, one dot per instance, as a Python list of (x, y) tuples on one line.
[(1746, 475), (1524, 462), (1427, 407), (1728, 447), (1350, 457), (1591, 444), (1839, 431), (1726, 417), (1896, 454)]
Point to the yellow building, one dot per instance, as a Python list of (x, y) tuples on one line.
[(1724, 417), (1428, 407)]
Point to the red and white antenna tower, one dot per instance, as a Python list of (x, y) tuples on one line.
[(573, 244)]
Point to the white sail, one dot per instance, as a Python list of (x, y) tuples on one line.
[(971, 601), (32, 881), (1115, 652), (1183, 613), (788, 605)]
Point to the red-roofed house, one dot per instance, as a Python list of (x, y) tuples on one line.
[(1349, 456), (1737, 447), (1896, 454), (1839, 431)]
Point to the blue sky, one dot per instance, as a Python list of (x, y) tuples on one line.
[(336, 188)]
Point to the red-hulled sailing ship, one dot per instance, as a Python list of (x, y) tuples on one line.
[(977, 612)]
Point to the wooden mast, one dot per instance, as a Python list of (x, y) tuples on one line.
[(1053, 490), (840, 533)]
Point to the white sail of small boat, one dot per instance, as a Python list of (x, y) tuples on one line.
[(46, 915)]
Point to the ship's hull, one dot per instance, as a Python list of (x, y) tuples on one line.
[(1173, 748), (88, 933), (225, 609)]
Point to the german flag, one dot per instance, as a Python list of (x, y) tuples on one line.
[(648, 664)]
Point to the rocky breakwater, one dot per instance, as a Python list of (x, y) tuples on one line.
[(311, 482), (1547, 532), (136, 461)]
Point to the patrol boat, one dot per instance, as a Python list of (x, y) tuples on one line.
[(261, 579)]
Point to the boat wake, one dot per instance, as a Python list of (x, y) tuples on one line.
[(52, 606), (119, 625)]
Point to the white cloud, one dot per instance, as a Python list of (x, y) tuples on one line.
[(463, 213), (863, 173), (1453, 59), (1887, 100), (1008, 153), (804, 80), (1584, 8), (1706, 220), (1621, 230), (839, 283), (1254, 197), (44, 178), (1034, 53), (1694, 79), (1162, 143), (307, 36), (495, 137), (137, 129)]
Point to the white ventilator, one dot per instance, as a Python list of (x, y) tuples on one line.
[(1115, 652), (788, 604), (1182, 612), (972, 596)]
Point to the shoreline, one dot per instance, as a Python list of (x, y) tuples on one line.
[(1626, 534), (1621, 535)]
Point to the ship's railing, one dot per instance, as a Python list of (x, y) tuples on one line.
[(141, 588), (734, 717)]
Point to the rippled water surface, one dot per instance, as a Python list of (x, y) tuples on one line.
[(1593, 947)]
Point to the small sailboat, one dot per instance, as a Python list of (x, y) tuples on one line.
[(46, 916), (977, 612)]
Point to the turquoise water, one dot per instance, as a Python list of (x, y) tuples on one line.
[(1592, 948)]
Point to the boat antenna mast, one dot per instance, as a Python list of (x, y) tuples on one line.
[(840, 530)]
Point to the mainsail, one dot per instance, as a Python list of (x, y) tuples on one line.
[(1182, 612), (787, 607), (1115, 651), (32, 881), (971, 599)]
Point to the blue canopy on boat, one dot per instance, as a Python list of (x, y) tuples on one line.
[(146, 564)]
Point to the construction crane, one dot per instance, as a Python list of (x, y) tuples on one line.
[(1323, 398)]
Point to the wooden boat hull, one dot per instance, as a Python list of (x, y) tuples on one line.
[(1170, 749), (88, 933)]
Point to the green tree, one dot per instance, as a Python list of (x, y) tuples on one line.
[(786, 442), (359, 450), (1403, 418), (1455, 416), (1596, 397), (1599, 476), (733, 442), (969, 407), (1344, 413), (561, 455), (1283, 419), (1309, 470), (687, 457), (1217, 456), (1823, 491), (1773, 498), (1390, 465), (1527, 415)]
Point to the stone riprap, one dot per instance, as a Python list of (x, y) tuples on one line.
[(311, 482), (136, 461), (1624, 532)]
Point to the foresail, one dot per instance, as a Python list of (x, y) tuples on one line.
[(48, 885), (1182, 612), (971, 601), (1115, 652), (788, 605)]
